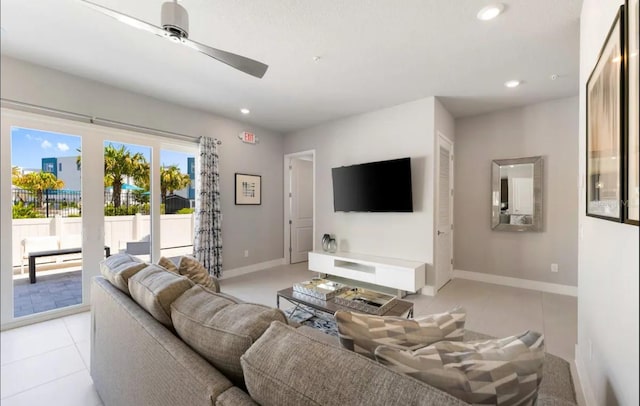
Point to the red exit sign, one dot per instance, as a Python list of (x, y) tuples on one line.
[(248, 137)]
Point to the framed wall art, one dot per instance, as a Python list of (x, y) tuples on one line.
[(631, 188), (248, 189), (605, 126)]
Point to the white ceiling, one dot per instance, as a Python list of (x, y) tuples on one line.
[(374, 53)]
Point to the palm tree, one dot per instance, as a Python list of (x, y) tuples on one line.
[(16, 172), (171, 179), (120, 163), (38, 182)]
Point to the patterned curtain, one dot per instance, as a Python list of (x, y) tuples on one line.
[(207, 246)]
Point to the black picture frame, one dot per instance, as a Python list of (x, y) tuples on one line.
[(631, 200), (605, 127), (248, 189)]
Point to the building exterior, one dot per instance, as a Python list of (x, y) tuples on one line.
[(66, 169)]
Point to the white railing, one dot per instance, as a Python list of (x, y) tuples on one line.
[(176, 231)]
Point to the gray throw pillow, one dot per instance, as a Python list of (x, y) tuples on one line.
[(504, 371), (118, 268), (221, 328), (363, 333), (287, 368), (168, 264), (154, 289), (194, 270)]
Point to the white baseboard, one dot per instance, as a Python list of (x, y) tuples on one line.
[(517, 282), (230, 273), (585, 384), (44, 316)]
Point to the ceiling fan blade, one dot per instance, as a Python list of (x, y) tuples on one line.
[(134, 22), (246, 65)]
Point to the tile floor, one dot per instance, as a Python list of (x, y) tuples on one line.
[(50, 360)]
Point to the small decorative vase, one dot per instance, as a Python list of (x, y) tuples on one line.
[(325, 242), (332, 245)]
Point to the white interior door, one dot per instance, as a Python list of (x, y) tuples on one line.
[(301, 206), (522, 196), (444, 212)]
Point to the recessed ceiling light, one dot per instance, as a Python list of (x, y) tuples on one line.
[(245, 111), (512, 83), (316, 58), (490, 12)]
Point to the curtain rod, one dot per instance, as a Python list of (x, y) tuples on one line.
[(96, 120)]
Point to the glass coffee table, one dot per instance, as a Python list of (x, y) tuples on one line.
[(401, 308)]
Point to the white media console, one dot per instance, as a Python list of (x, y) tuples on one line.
[(389, 272)]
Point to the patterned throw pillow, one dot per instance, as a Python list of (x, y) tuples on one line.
[(363, 333), (168, 264), (194, 270), (504, 371)]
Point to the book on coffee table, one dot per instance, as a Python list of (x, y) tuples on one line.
[(365, 300), (319, 288)]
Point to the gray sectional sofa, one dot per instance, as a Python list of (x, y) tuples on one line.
[(138, 361)]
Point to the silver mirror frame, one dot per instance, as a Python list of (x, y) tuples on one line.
[(537, 194)]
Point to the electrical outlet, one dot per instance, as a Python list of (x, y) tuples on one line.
[(554, 267), (246, 253)]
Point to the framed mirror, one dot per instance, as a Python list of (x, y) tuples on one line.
[(516, 197)]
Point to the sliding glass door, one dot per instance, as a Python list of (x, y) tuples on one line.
[(73, 193), (46, 215), (177, 196), (46, 220)]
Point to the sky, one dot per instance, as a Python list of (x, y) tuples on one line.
[(29, 146)]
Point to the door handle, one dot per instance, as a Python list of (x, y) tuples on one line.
[(440, 232)]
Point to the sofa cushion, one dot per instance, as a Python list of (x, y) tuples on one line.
[(287, 368), (504, 371), (363, 333), (168, 264), (194, 270), (154, 289), (221, 328), (118, 268)]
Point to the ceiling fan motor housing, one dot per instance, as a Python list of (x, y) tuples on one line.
[(175, 19)]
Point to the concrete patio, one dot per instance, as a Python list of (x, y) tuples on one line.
[(50, 292)]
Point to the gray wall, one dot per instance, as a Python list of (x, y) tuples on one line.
[(443, 121), (405, 130), (256, 228), (549, 129), (607, 352)]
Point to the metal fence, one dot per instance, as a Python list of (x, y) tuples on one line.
[(29, 204), (68, 203)]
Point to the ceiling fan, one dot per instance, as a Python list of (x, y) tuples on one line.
[(175, 27)]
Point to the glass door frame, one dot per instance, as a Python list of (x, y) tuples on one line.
[(93, 139)]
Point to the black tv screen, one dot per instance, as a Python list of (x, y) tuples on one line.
[(376, 187)]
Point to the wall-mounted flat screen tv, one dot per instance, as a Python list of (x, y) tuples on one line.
[(373, 187)]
